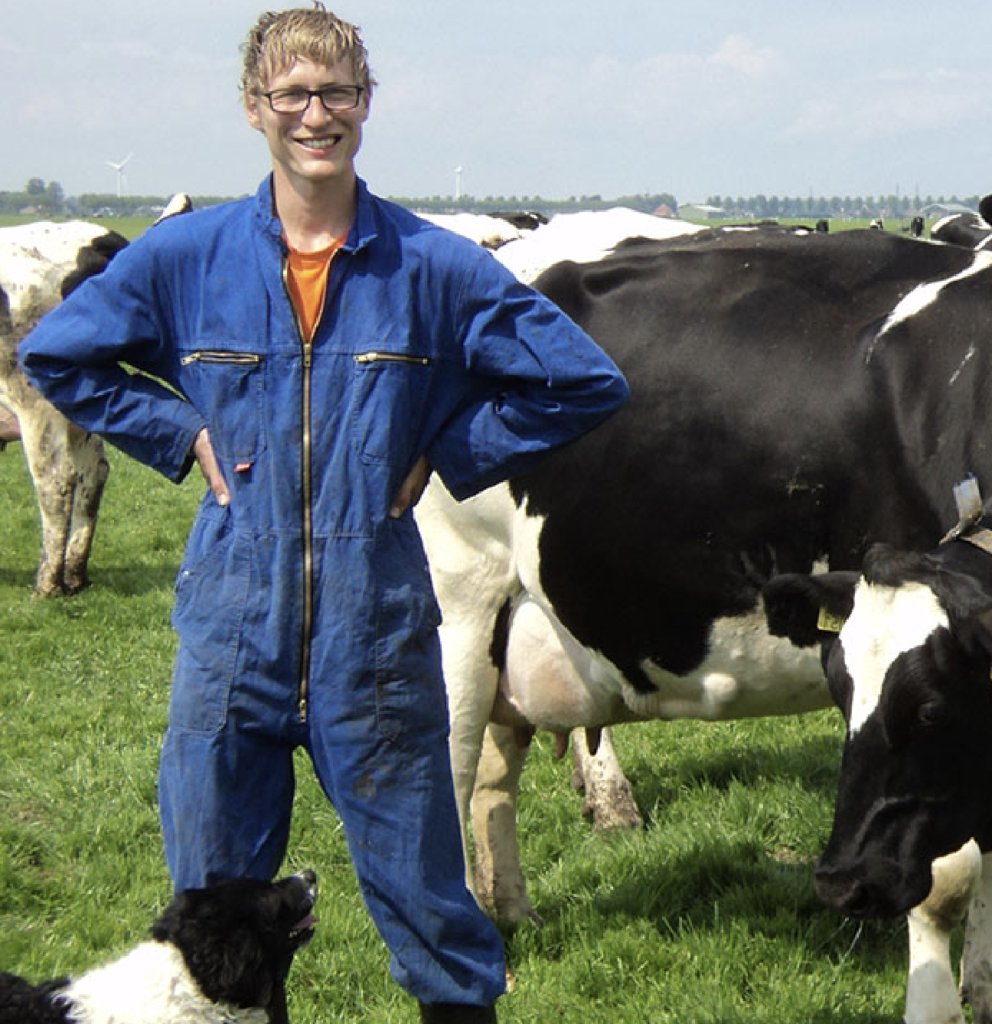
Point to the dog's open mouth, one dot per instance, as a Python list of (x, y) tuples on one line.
[(304, 927), (302, 932)]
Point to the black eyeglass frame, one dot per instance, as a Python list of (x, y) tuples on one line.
[(319, 93)]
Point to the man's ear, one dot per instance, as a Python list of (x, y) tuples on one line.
[(251, 113)]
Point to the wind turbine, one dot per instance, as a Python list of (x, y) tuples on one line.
[(119, 168)]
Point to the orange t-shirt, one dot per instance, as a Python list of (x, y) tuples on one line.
[(307, 281)]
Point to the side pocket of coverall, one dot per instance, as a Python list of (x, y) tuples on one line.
[(411, 702), (208, 614)]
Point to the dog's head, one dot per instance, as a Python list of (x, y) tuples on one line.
[(238, 937)]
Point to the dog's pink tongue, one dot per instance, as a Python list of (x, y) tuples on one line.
[(308, 922)]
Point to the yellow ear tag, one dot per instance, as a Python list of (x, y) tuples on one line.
[(827, 622)]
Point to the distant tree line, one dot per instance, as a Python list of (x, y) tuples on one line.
[(48, 198), (839, 207), (646, 203)]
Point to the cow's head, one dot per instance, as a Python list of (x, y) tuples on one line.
[(909, 669)]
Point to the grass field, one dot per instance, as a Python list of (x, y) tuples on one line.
[(707, 916)]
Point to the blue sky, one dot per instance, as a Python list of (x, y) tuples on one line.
[(529, 97)]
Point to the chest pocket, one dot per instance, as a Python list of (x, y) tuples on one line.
[(389, 398), (228, 390)]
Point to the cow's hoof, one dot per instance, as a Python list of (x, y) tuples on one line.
[(612, 811), (48, 589), (74, 584), (510, 915)]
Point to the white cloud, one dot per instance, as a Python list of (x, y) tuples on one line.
[(745, 58)]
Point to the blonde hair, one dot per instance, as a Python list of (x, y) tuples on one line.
[(279, 38)]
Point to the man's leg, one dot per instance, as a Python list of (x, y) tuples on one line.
[(225, 802), (396, 801)]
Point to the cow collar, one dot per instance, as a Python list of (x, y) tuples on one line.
[(971, 526)]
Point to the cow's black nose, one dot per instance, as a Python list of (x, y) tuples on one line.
[(843, 892)]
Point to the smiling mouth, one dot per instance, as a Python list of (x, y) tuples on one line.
[(319, 145)]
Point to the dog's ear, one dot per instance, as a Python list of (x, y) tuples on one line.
[(244, 973), (226, 955)]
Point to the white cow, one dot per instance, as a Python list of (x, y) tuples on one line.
[(39, 264)]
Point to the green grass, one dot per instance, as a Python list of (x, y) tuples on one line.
[(707, 916)]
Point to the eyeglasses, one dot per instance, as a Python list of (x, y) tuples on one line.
[(333, 98)]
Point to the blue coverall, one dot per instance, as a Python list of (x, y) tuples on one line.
[(305, 614)]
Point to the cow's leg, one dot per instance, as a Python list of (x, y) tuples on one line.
[(45, 442), (976, 960), (90, 474), (472, 569), (499, 880), (609, 799), (931, 993), (471, 680)]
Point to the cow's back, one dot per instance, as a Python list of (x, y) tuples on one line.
[(757, 439), (41, 262)]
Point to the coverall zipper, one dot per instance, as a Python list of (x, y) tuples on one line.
[(307, 536), (307, 492)]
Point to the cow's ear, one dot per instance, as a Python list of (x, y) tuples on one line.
[(806, 608), (968, 603), (976, 630)]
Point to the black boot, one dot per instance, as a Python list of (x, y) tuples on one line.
[(454, 1013)]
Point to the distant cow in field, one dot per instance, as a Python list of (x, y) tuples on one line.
[(40, 264), (490, 230)]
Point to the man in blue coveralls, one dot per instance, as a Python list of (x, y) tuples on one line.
[(325, 350)]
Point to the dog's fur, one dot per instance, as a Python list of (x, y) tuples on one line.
[(218, 955)]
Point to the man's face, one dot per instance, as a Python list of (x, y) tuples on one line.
[(315, 145)]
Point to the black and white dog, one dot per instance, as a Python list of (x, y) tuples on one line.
[(218, 955)]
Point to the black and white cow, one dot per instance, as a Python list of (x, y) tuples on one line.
[(793, 400), (910, 669), (972, 230), (40, 264), (490, 230)]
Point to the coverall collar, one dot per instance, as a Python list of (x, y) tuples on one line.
[(363, 230)]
